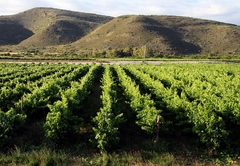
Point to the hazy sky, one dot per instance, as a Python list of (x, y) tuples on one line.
[(220, 10)]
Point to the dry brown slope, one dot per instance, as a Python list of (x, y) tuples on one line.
[(42, 27), (53, 26), (164, 34)]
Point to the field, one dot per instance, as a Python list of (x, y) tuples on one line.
[(92, 114)]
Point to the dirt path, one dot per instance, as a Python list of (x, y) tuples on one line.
[(118, 61)]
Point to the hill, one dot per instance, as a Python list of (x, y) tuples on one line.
[(164, 35), (61, 30), (46, 27)]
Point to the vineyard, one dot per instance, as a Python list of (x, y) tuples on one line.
[(106, 104)]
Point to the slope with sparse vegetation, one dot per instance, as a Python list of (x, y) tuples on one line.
[(164, 35), (51, 26), (55, 30)]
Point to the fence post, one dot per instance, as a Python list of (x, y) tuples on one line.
[(158, 128), (22, 104)]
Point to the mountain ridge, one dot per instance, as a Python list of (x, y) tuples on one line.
[(54, 26), (59, 30)]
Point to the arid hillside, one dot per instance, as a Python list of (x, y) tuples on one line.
[(60, 30), (47, 27)]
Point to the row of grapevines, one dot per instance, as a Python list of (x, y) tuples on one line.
[(216, 86), (8, 122), (142, 104), (9, 95), (10, 71), (49, 92), (109, 117), (32, 73), (26, 72), (61, 71), (36, 102), (206, 123), (62, 118)]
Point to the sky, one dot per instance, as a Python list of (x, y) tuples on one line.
[(227, 11)]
